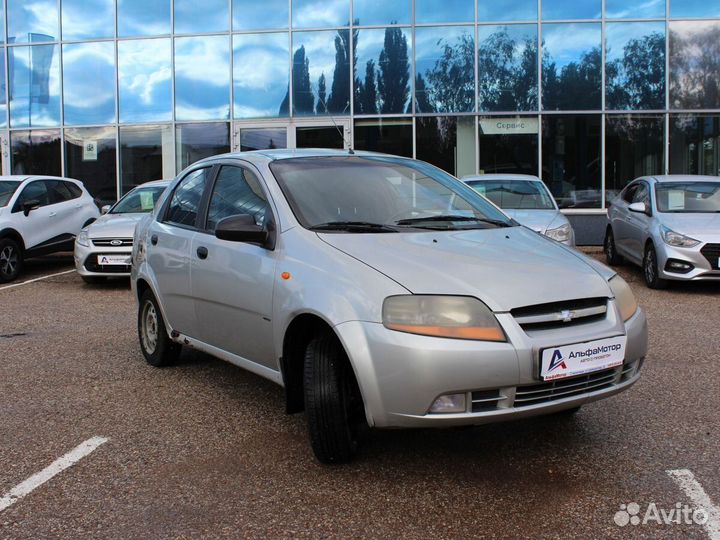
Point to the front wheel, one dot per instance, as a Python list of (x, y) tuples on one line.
[(11, 260), (157, 347), (650, 269)]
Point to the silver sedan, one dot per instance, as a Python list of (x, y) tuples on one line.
[(669, 225)]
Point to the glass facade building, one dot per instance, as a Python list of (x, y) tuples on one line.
[(587, 94)]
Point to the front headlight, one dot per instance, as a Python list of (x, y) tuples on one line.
[(623, 296), (83, 239), (561, 234), (675, 239), (459, 317)]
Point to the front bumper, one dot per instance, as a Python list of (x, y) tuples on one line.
[(86, 258), (400, 375), (702, 267)]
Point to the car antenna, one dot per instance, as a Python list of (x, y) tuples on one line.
[(340, 130)]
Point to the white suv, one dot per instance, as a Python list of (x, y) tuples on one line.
[(40, 215)]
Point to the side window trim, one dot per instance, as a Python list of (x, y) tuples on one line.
[(165, 210), (16, 207)]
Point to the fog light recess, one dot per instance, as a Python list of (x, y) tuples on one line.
[(678, 267), (449, 403)]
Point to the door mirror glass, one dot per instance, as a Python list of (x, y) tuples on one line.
[(638, 207), (105, 209), (241, 228), (29, 205)]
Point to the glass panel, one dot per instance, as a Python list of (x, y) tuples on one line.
[(254, 15), (634, 9), (197, 141), (377, 12), (143, 18), (193, 17), (445, 69), (509, 145), (90, 156), (2, 22), (444, 11), (571, 159), (262, 138), (202, 78), (321, 73), (185, 201), (319, 137), (507, 10), (694, 8), (447, 142), (145, 91), (34, 86), (382, 80), (35, 152), (694, 65), (32, 21), (577, 9), (390, 136), (633, 147), (88, 19), (260, 74), (146, 153), (89, 83), (507, 60), (635, 65), (320, 13), (3, 89), (236, 192), (571, 64), (695, 144)]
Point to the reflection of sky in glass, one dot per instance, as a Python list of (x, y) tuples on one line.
[(260, 74), (202, 78), (372, 12), (634, 9), (35, 86), (254, 15), (3, 104), (76, 24), (368, 46), (2, 23), (32, 17), (568, 42), (145, 93), (694, 64), (574, 9), (320, 13), (143, 17), (193, 17), (432, 11), (262, 139), (507, 10), (694, 8), (89, 83)]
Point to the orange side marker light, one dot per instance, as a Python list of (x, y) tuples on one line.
[(285, 275)]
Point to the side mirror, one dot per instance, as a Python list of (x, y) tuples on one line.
[(29, 205), (638, 207), (105, 209), (241, 228)]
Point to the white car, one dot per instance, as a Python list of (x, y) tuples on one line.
[(40, 215)]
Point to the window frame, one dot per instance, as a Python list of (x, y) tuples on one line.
[(17, 205), (202, 204)]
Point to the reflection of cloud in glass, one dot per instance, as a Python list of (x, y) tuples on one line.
[(78, 24), (432, 11), (32, 17), (254, 15), (576, 9), (193, 17), (89, 83), (260, 74), (320, 13), (567, 42), (694, 64), (202, 78), (372, 12), (145, 93), (694, 8), (506, 10), (634, 9), (143, 17), (36, 104)]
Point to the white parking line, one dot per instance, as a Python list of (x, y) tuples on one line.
[(56, 467), (36, 279), (695, 492)]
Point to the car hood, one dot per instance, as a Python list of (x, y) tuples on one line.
[(115, 226), (537, 220), (505, 267), (700, 226)]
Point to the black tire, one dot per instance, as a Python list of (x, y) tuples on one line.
[(333, 403), (94, 280), (611, 255), (650, 269), (157, 347), (11, 260)]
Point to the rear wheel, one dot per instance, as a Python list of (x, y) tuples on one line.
[(11, 260), (94, 280), (157, 347), (611, 255), (650, 269)]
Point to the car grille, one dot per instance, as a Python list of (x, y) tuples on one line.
[(91, 265), (561, 314), (712, 253), (108, 242)]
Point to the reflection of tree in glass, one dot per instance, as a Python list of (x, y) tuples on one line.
[(321, 106), (422, 103), (303, 100), (339, 100), (637, 80), (451, 81), (578, 84), (508, 73), (695, 68), (394, 72), (367, 99)]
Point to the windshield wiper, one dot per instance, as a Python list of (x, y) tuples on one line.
[(353, 226), (413, 221)]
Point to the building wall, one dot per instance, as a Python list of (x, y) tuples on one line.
[(586, 94)]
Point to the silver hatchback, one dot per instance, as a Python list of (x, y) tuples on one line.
[(377, 291)]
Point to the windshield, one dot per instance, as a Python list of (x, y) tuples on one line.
[(140, 200), (688, 197), (515, 194), (380, 194), (7, 188)]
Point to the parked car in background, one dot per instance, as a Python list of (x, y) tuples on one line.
[(526, 199), (103, 249), (380, 291), (670, 225), (39, 215)]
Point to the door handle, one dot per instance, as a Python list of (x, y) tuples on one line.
[(153, 239), (53, 214), (202, 252)]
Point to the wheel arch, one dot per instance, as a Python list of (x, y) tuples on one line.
[(9, 232)]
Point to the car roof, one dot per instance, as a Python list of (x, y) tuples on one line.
[(684, 178), (289, 153), (154, 183), (24, 177), (495, 177)]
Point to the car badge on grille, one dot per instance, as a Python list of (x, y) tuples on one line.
[(566, 315), (116, 242)]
